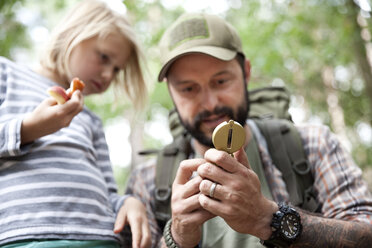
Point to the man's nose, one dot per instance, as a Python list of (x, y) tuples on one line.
[(209, 100)]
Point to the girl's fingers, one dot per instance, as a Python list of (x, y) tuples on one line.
[(50, 101), (146, 235), (120, 220), (75, 104), (136, 229), (133, 212)]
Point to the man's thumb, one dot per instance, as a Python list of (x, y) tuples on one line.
[(242, 158)]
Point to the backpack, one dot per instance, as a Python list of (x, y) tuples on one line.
[(269, 110)]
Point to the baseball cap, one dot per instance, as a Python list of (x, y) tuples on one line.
[(198, 33)]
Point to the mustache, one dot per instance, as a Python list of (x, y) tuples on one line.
[(216, 111)]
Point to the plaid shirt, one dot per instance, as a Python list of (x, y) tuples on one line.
[(338, 181)]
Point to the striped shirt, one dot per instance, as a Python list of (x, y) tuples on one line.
[(338, 180), (60, 186)]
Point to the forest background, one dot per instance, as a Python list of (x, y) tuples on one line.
[(320, 50)]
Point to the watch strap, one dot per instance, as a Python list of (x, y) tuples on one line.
[(276, 240), (275, 243)]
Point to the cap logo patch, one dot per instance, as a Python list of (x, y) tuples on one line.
[(190, 29)]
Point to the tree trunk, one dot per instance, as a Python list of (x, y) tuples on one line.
[(135, 138), (334, 108)]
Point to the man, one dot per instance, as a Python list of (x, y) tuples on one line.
[(227, 204)]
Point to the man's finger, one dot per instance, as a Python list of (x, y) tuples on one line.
[(242, 158), (213, 173), (191, 187), (222, 159), (213, 206), (186, 168), (190, 204)]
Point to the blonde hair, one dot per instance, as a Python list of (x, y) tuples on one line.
[(93, 18)]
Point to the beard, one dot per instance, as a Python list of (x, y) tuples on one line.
[(193, 128)]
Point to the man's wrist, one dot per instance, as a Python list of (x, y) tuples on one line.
[(263, 229), (168, 238)]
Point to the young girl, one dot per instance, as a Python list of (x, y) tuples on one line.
[(56, 182)]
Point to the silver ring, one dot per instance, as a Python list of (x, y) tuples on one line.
[(212, 189)]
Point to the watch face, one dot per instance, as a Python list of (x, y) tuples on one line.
[(290, 226)]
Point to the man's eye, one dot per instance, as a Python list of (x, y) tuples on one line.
[(221, 81), (188, 89)]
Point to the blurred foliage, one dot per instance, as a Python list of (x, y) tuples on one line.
[(288, 42), (12, 32), (295, 44)]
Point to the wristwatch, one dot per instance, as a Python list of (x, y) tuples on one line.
[(286, 226)]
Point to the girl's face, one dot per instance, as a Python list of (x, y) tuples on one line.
[(97, 61)]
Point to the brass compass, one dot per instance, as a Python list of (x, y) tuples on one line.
[(228, 136)]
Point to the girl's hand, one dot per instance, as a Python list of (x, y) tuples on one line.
[(134, 212), (50, 117)]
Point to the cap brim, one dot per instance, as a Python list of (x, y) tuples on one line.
[(217, 52)]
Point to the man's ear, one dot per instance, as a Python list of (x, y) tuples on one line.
[(247, 68), (169, 88)]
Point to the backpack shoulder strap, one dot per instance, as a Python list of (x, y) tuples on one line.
[(286, 149), (168, 161)]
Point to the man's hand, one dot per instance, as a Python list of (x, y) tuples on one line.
[(237, 197), (49, 117), (134, 213), (187, 214)]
